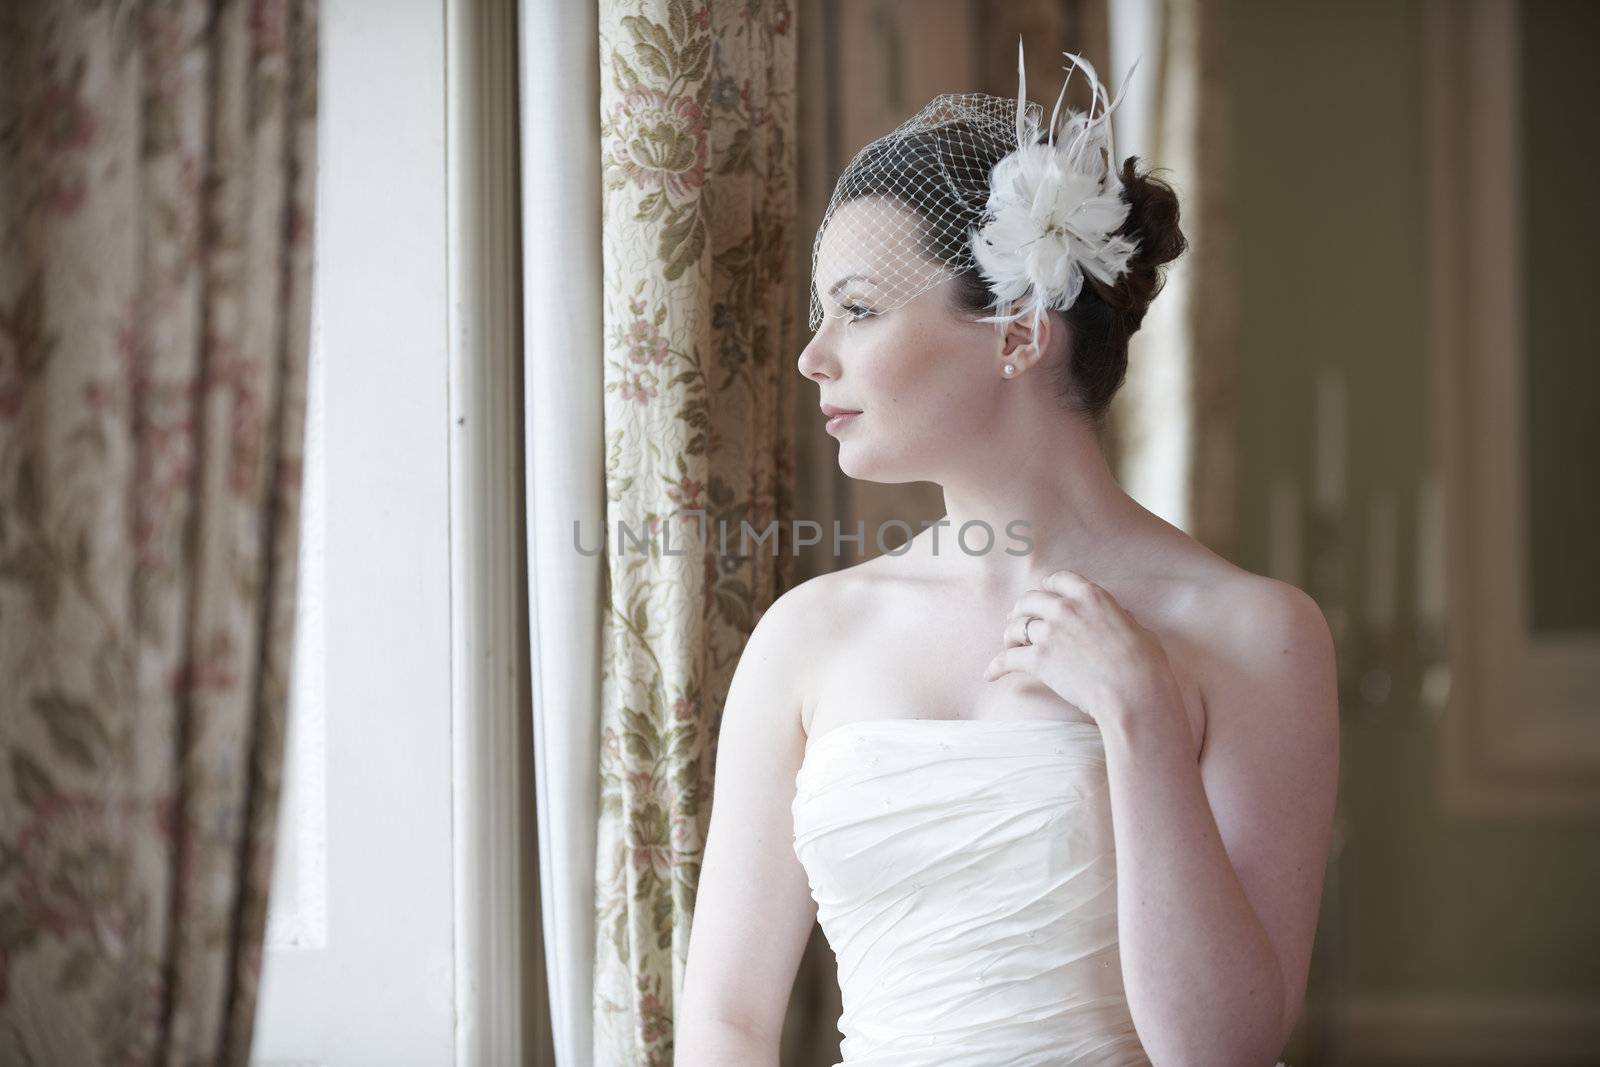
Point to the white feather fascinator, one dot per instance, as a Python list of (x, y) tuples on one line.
[(975, 181), (1055, 204)]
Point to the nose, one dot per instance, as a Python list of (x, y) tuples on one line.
[(816, 358)]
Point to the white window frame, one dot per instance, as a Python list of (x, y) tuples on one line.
[(404, 906), (1520, 733)]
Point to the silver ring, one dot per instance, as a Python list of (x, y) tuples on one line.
[(1025, 638)]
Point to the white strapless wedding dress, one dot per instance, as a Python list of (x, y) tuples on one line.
[(965, 875)]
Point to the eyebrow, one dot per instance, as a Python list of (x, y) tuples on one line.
[(846, 280)]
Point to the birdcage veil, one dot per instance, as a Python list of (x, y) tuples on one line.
[(975, 181)]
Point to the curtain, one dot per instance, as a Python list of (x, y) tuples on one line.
[(564, 486), (156, 181), (697, 120)]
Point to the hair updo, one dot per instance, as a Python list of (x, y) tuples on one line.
[(1102, 319)]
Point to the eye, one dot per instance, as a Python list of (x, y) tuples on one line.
[(857, 311)]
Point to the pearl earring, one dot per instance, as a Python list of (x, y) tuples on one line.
[(1008, 370)]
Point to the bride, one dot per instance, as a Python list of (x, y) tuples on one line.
[(1057, 781)]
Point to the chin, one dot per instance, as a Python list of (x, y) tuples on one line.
[(851, 464), (865, 465)]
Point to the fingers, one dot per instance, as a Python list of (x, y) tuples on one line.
[(1020, 633), (1047, 611), (1037, 602), (1015, 659), (1052, 609), (1071, 585), (1058, 590)]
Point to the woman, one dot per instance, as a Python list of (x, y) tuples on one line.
[(1063, 800)]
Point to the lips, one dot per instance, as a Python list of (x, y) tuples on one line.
[(838, 416)]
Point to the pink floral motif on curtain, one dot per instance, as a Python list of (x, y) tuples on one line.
[(157, 165), (697, 106)]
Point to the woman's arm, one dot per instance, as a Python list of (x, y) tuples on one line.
[(753, 909), (1220, 863), (1220, 854)]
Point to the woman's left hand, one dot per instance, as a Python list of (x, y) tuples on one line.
[(1089, 649)]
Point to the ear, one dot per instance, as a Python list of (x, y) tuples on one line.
[(1021, 345)]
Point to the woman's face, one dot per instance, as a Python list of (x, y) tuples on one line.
[(925, 381)]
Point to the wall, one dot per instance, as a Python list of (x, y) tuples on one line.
[(1429, 909)]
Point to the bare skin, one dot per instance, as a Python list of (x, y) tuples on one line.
[(935, 670), (1213, 687)]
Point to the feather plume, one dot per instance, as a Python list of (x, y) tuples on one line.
[(1054, 205)]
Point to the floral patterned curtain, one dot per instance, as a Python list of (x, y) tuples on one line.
[(697, 104), (156, 195)]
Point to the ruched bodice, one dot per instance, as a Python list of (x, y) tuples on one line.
[(965, 875)]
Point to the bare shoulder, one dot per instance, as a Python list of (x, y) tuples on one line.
[(1269, 623), (1234, 604), (806, 613), (807, 625), (792, 637), (1270, 661)]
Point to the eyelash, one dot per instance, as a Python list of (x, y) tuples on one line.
[(857, 307)]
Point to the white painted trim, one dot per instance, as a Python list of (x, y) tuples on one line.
[(1470, 1030), (1518, 735), (490, 827)]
